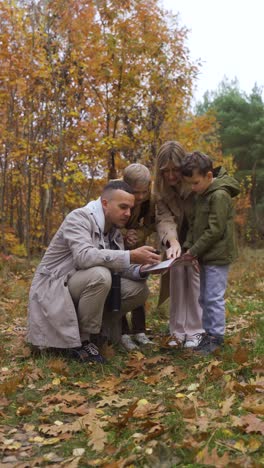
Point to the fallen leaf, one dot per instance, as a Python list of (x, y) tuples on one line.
[(250, 422), (78, 452), (241, 355), (113, 400), (227, 404), (90, 421), (206, 458)]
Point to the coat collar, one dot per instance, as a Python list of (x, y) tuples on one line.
[(96, 209)]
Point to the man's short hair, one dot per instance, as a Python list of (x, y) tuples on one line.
[(196, 161), (116, 185), (136, 174)]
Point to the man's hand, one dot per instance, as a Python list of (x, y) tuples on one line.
[(144, 255), (131, 238), (175, 249)]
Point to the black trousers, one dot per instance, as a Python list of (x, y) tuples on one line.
[(138, 322)]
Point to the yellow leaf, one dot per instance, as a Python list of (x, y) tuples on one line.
[(36, 439), (180, 395), (52, 441), (254, 445), (14, 446), (142, 402), (56, 381), (240, 445)]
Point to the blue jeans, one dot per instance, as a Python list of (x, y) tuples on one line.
[(213, 282)]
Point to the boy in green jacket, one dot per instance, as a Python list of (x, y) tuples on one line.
[(211, 240)]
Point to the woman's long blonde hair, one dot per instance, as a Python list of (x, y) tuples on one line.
[(169, 151)]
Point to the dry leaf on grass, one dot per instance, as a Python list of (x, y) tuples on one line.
[(113, 400), (206, 458), (90, 421), (250, 423), (227, 404)]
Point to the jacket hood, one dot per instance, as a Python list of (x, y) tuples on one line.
[(223, 181)]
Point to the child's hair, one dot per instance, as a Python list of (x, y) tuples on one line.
[(136, 174), (196, 161)]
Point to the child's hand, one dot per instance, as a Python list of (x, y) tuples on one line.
[(131, 238), (188, 256)]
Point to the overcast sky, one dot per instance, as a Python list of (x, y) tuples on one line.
[(228, 36)]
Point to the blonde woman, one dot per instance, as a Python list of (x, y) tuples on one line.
[(173, 209)]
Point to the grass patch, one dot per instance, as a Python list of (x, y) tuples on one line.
[(150, 408)]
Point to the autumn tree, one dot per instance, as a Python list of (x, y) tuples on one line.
[(86, 87)]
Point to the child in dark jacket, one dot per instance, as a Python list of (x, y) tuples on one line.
[(141, 224), (211, 239)]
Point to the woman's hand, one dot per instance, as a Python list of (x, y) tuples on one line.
[(175, 249)]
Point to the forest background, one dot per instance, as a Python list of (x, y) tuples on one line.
[(89, 87)]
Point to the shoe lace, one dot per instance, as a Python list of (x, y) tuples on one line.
[(199, 336), (205, 339), (90, 348)]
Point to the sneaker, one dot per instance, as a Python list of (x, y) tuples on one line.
[(210, 345), (193, 341), (92, 352), (98, 339), (204, 341), (176, 341), (128, 343), (142, 339)]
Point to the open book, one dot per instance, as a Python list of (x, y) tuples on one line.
[(163, 266)]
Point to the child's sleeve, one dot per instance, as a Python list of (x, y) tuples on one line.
[(219, 211)]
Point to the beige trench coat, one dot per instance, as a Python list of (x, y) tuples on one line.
[(170, 211), (78, 244)]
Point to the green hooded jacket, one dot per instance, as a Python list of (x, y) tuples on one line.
[(211, 236)]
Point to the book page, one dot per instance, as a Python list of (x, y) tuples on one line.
[(163, 266), (159, 266)]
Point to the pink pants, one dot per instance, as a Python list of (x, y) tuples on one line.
[(185, 311)]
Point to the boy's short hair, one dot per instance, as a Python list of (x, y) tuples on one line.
[(196, 161), (136, 174), (116, 185)]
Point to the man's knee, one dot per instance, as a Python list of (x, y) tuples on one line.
[(135, 290), (97, 279), (103, 277)]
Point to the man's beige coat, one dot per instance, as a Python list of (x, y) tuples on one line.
[(77, 245)]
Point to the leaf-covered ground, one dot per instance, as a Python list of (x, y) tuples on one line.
[(153, 408)]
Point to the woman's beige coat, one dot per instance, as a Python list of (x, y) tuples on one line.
[(170, 210)]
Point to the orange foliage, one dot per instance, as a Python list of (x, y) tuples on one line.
[(87, 87)]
